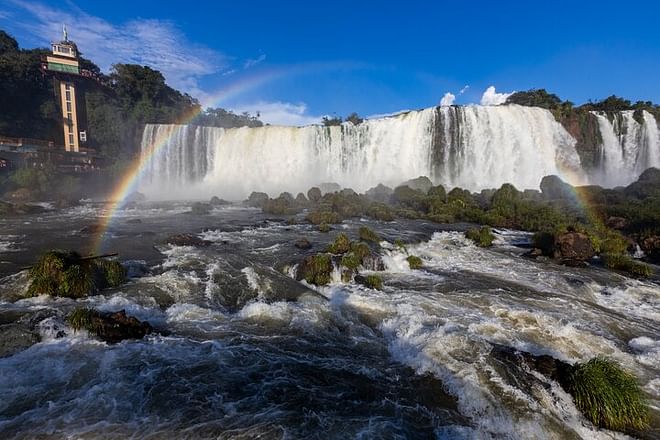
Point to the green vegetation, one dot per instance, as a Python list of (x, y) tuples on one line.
[(414, 262), (351, 260), (482, 237), (340, 245), (366, 234), (607, 395), (324, 227), (331, 121), (626, 264), (84, 318), (316, 269), (360, 249), (323, 217), (373, 282), (65, 273)]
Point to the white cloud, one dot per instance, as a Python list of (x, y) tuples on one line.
[(447, 100), (491, 97), (279, 113), (464, 89), (155, 43), (251, 62)]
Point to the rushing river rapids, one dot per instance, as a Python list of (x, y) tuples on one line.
[(245, 351)]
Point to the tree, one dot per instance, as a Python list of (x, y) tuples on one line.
[(354, 119), (330, 121)]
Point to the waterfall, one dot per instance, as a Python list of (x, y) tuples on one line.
[(474, 147), (628, 147)]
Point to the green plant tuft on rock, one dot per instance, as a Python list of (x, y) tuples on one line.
[(324, 227), (626, 264), (374, 282), (341, 245), (360, 249), (83, 318), (414, 262), (113, 272), (366, 234), (482, 237), (316, 269), (320, 217), (607, 395), (351, 260)]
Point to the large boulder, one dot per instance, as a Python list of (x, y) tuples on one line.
[(314, 194), (329, 187), (257, 199), (380, 193), (422, 183), (573, 247), (553, 188), (187, 240), (109, 327), (216, 201), (651, 247)]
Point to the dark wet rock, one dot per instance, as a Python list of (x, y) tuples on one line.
[(553, 188), (645, 186), (216, 201), (329, 187), (370, 281), (284, 204), (347, 192), (133, 221), (421, 183), (301, 199), (22, 195), (303, 243), (199, 208), (109, 327), (66, 203), (380, 193), (257, 199), (15, 338), (573, 247), (323, 217), (651, 247), (314, 194), (533, 253), (521, 361), (187, 240), (373, 262), (28, 209), (91, 229), (616, 223)]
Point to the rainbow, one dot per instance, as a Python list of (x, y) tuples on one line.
[(129, 181)]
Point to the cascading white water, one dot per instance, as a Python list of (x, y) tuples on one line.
[(474, 147), (628, 147)]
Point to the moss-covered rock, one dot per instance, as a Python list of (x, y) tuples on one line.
[(324, 227), (257, 199), (199, 208), (65, 273), (315, 269), (320, 217), (626, 264), (414, 262), (370, 281), (340, 245), (367, 234), (482, 237), (314, 194), (351, 260), (360, 249), (607, 395), (109, 327)]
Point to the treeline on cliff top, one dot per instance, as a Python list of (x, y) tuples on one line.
[(118, 104)]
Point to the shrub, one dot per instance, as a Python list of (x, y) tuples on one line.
[(380, 211), (373, 282), (112, 271), (626, 264), (319, 217), (351, 260), (324, 227), (438, 193), (367, 234), (341, 245), (414, 262), (482, 237), (316, 269), (607, 395), (83, 318), (360, 249)]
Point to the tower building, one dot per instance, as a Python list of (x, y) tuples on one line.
[(63, 64)]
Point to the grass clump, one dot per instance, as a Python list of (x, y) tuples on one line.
[(366, 234), (321, 217), (84, 318), (341, 245), (113, 272), (482, 237), (316, 269), (607, 395), (360, 249), (414, 262), (373, 282), (324, 227), (626, 264), (351, 260)]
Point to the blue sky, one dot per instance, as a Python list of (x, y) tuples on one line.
[(295, 61)]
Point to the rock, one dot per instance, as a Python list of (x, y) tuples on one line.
[(616, 223), (109, 327), (370, 281), (301, 199), (323, 217), (373, 262), (380, 193), (15, 338), (422, 183), (553, 188), (187, 240), (329, 187), (28, 209), (573, 247), (534, 253), (314, 194), (21, 195), (199, 208), (65, 203), (133, 221), (651, 247), (216, 201), (347, 192), (315, 269), (257, 199), (303, 243), (6, 208), (91, 229)]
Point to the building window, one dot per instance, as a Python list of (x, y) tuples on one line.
[(68, 106), (71, 129), (68, 95), (69, 116), (71, 139), (66, 86)]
